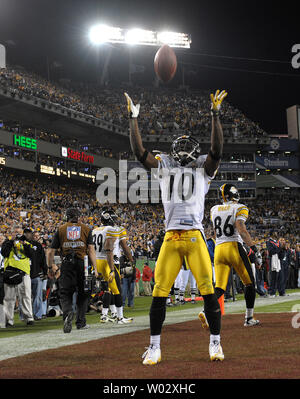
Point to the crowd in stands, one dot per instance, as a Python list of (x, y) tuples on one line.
[(163, 111), (40, 203)]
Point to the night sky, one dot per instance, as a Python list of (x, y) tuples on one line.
[(35, 31)]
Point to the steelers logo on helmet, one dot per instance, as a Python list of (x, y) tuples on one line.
[(229, 192), (185, 149), (108, 217)]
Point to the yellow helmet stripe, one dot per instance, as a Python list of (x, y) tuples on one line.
[(222, 192)]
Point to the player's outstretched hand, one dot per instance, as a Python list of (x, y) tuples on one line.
[(133, 110), (216, 101)]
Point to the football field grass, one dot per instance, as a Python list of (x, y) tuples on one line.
[(142, 305)]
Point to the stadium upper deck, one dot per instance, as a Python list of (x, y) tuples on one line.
[(89, 109)]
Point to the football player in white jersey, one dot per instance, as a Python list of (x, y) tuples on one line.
[(120, 246), (184, 176), (104, 238), (231, 233)]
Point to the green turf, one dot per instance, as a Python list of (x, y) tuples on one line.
[(278, 307), (141, 308)]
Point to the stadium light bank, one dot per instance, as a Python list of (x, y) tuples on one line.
[(100, 34)]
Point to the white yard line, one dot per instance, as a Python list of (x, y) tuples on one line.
[(51, 339)]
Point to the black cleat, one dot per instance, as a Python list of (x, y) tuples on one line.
[(68, 322)]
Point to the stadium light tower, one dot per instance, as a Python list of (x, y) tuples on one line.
[(105, 34), (100, 34)]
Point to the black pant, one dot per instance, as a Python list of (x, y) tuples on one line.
[(70, 281), (1, 288)]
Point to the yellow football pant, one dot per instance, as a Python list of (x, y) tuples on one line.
[(231, 254), (177, 245), (104, 269)]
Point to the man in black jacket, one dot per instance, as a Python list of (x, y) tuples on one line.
[(275, 251), (285, 266), (38, 271)]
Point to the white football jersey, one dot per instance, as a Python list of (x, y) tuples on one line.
[(183, 191), (99, 236), (223, 218)]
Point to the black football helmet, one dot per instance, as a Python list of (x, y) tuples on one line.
[(108, 217), (185, 149), (229, 192)]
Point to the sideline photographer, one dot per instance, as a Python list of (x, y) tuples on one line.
[(17, 253), (128, 272), (38, 272)]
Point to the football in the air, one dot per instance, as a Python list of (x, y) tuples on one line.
[(165, 63)]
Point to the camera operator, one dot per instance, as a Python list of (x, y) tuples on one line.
[(128, 271), (17, 253), (75, 241), (38, 272), (53, 302)]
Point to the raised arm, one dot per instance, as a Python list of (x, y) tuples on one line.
[(145, 157), (215, 153)]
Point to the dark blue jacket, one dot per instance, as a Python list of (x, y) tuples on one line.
[(211, 244)]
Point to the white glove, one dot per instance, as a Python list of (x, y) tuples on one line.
[(133, 110), (216, 101), (258, 258)]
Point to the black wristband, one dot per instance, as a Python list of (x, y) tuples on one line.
[(254, 249), (214, 157), (143, 158), (214, 113)]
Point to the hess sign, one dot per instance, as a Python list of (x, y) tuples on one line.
[(76, 155), (26, 142)]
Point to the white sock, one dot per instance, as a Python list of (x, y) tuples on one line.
[(120, 312), (112, 308), (104, 311), (249, 313), (214, 338), (155, 341), (2, 317)]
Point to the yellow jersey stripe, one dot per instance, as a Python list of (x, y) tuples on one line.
[(112, 234), (243, 213), (243, 208)]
